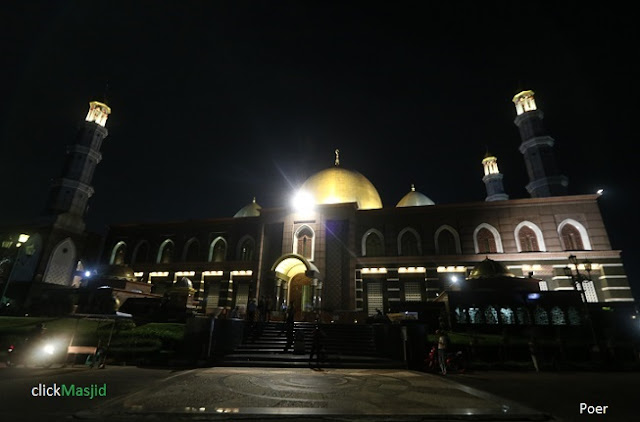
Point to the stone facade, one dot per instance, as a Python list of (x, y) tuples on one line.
[(348, 279)]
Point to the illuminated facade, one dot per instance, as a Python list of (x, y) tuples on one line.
[(337, 249)]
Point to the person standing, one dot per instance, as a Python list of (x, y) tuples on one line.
[(443, 341), (251, 311), (316, 347)]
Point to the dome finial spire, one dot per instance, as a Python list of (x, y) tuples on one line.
[(413, 187), (337, 162)]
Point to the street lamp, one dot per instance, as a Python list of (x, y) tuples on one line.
[(578, 280), (22, 238)]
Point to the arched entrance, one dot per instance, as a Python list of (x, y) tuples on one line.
[(297, 284)]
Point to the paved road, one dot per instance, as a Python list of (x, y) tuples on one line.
[(561, 393)]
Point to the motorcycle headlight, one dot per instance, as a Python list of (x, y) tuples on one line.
[(49, 348)]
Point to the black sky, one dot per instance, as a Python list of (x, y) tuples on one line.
[(215, 102)]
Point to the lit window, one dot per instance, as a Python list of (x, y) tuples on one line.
[(528, 240), (304, 242), (373, 245), (486, 241), (571, 238)]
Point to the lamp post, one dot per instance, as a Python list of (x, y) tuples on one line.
[(578, 280), (22, 238)]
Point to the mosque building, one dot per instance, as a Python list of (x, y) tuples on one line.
[(338, 248)]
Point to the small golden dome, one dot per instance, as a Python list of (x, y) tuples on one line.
[(250, 210), (489, 269), (337, 185), (414, 199), (115, 272)]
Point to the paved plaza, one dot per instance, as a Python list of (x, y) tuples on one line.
[(330, 395), (258, 393)]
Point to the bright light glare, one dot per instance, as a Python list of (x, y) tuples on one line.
[(49, 349), (454, 278), (23, 238), (600, 191), (87, 273), (303, 202)]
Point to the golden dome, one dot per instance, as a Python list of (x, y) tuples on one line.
[(414, 199), (337, 185), (490, 269), (251, 210)]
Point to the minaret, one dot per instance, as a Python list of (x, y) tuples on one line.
[(70, 193), (537, 148), (493, 179)]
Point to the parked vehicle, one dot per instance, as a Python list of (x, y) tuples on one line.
[(42, 352), (454, 361)]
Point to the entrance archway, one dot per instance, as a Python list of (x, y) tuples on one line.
[(297, 284), (301, 295)]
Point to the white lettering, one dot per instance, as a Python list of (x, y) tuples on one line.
[(34, 393), (593, 410)]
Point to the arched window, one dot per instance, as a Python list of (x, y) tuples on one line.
[(118, 253), (409, 243), (529, 237), (246, 249), (140, 253), (486, 241), (62, 263), (461, 316), (372, 243), (574, 316), (507, 316), (541, 316), (191, 250), (303, 242), (447, 241), (528, 240), (475, 316), (490, 315), (573, 235), (523, 316), (165, 252), (571, 238), (218, 250), (557, 316)]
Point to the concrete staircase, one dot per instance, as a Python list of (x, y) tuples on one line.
[(346, 346)]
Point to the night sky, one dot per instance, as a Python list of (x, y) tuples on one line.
[(214, 102)]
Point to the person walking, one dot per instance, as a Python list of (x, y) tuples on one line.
[(317, 347), (251, 311), (443, 341)]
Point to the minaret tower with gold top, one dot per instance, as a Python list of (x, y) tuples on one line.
[(493, 179), (537, 148), (69, 194)]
